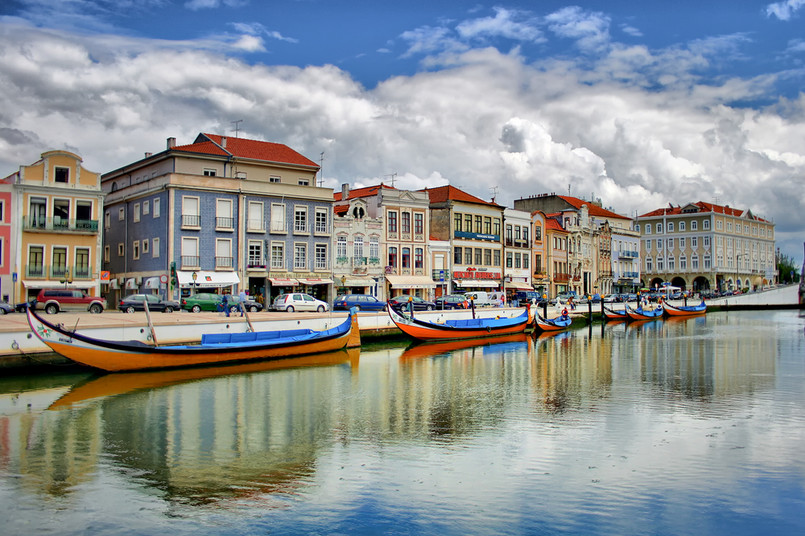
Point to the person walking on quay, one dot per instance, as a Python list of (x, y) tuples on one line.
[(242, 301), (225, 304)]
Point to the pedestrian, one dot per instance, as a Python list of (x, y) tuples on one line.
[(242, 301), (225, 304)]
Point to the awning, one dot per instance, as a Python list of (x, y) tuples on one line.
[(315, 281), (151, 282), (113, 284), (478, 283), (131, 284), (283, 282), (519, 285), (411, 281), (207, 279), (359, 282), (57, 284)]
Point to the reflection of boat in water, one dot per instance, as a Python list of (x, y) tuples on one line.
[(684, 310), (215, 348), (469, 328), (117, 384), (428, 349)]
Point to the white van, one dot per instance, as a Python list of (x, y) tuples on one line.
[(481, 299)]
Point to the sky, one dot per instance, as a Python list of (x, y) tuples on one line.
[(640, 104)]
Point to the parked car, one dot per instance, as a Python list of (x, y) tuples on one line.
[(136, 302), (53, 301), (419, 304), (363, 302), (613, 298), (5, 308), (451, 301), (526, 296), (298, 302), (209, 301)]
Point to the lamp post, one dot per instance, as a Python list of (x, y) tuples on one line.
[(737, 256), (194, 276)]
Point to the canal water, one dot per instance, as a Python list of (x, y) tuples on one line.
[(666, 427)]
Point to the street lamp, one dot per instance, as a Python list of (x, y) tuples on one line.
[(194, 276), (737, 256)]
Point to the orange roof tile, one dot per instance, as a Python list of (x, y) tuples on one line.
[(445, 193), (368, 191), (594, 210), (703, 207), (213, 144)]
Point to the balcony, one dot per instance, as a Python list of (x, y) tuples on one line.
[(255, 226), (224, 263), (59, 225), (224, 224), (278, 227), (191, 221), (561, 278), (190, 261)]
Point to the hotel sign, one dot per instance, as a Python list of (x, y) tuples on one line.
[(476, 275)]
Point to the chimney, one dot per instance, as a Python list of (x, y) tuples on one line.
[(171, 143), (223, 142), (344, 191), (149, 155)]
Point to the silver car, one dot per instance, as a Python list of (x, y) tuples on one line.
[(298, 301)]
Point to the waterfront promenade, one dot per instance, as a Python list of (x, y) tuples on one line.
[(19, 348)]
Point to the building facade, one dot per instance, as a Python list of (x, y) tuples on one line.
[(517, 247), (701, 246), (50, 234), (219, 214)]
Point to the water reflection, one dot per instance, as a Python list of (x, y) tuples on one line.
[(261, 433)]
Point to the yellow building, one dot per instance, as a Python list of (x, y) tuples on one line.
[(54, 237)]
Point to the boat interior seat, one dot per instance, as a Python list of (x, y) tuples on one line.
[(224, 338)]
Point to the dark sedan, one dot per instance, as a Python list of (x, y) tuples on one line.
[(5, 308), (451, 301), (363, 302), (401, 302), (136, 302)]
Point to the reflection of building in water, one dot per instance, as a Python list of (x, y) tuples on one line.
[(570, 367)]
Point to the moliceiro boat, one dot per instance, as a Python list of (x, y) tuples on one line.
[(612, 315), (470, 328), (214, 349), (643, 314), (553, 324), (684, 310)]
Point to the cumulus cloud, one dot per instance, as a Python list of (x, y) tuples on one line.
[(196, 5), (784, 10), (483, 119)]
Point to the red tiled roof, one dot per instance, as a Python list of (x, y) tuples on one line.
[(703, 207), (212, 144), (340, 210), (553, 225), (445, 193), (592, 209), (368, 191)]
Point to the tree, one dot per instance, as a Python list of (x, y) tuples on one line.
[(789, 272)]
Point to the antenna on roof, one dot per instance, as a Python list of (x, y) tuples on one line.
[(237, 123), (494, 193), (568, 189), (321, 168), (393, 178)]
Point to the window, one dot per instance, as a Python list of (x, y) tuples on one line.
[(525, 261), (300, 219), (487, 225), (671, 263), (707, 262), (254, 218), (694, 242), (467, 255), (660, 264), (508, 235), (36, 261), (419, 223), (320, 257), (496, 227), (61, 174), (706, 224), (303, 182), (255, 253), (146, 245), (670, 227), (277, 256), (648, 245), (457, 255), (648, 228), (121, 250), (274, 179), (357, 250), (637, 227), (392, 225), (223, 254), (670, 243), (478, 224), (146, 208), (488, 257), (190, 212), (300, 256), (278, 218), (393, 257), (107, 254), (406, 222), (538, 232), (509, 259), (209, 172), (694, 225), (321, 221), (648, 264), (190, 252), (107, 220), (374, 249), (406, 257), (156, 208), (135, 249), (457, 223), (419, 258), (683, 263), (659, 228), (155, 247), (659, 244), (136, 212), (694, 262), (681, 226), (341, 246), (518, 261), (706, 241), (479, 256), (223, 214), (121, 214)]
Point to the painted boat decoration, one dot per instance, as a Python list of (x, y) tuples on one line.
[(553, 324), (612, 315), (643, 314), (214, 349), (470, 328), (115, 384), (684, 310)]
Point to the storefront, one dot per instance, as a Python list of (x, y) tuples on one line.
[(319, 288), (206, 281), (415, 285)]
